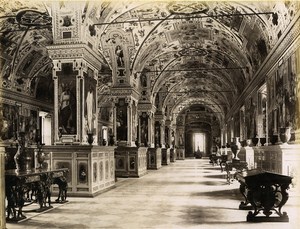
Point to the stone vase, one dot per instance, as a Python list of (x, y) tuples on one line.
[(255, 141), (90, 138), (273, 139), (235, 148), (285, 134), (262, 141)]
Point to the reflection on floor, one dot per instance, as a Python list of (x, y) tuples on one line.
[(189, 193)]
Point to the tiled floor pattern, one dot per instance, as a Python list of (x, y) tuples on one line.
[(189, 193)]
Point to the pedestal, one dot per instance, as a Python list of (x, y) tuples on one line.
[(92, 168), (180, 154), (154, 158), (283, 159), (165, 156), (130, 161), (247, 154), (172, 155)]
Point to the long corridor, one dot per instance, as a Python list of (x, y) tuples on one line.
[(189, 193)]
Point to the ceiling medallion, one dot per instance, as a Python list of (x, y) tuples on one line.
[(33, 18), (187, 7), (193, 52)]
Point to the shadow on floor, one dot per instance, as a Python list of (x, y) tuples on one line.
[(232, 194), (198, 215)]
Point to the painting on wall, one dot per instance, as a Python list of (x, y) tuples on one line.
[(9, 115), (67, 110), (122, 120), (89, 105), (157, 134), (144, 129), (17, 119), (290, 94), (250, 117)]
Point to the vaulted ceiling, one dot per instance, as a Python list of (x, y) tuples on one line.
[(197, 54)]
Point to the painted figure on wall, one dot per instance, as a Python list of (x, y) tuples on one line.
[(144, 80), (67, 110), (144, 129), (157, 134), (122, 122), (90, 109), (173, 139), (120, 56)]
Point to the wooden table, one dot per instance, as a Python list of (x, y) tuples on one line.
[(267, 194), (32, 186)]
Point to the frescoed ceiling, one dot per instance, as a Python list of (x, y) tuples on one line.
[(192, 52)]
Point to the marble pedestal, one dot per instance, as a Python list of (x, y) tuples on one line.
[(154, 158), (131, 161), (172, 155), (165, 156), (91, 168)]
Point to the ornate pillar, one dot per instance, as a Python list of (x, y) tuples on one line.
[(125, 120), (75, 98), (75, 73), (242, 124), (162, 133), (56, 67), (114, 119), (146, 124), (151, 129), (222, 137), (225, 133), (168, 133), (129, 121)]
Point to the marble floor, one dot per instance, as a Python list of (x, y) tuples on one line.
[(189, 193)]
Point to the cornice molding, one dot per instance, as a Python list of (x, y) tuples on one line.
[(75, 51), (125, 92), (11, 97), (146, 107)]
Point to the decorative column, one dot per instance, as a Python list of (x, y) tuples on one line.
[(162, 133), (151, 129), (242, 124), (223, 137), (131, 121), (114, 120)]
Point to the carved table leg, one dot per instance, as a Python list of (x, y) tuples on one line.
[(269, 199), (244, 205)]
